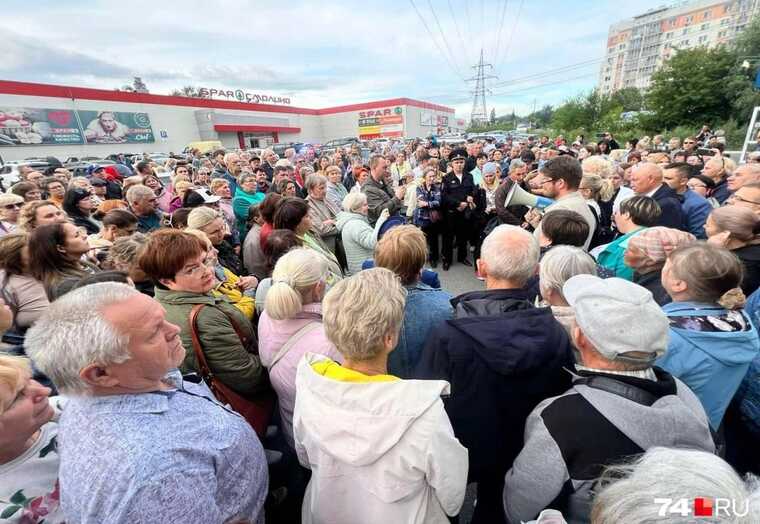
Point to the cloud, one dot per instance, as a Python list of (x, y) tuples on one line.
[(29, 59), (319, 53)]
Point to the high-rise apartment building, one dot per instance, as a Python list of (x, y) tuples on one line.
[(638, 46)]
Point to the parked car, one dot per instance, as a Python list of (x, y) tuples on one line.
[(9, 173), (332, 145)]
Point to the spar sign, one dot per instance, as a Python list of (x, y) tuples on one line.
[(381, 123)]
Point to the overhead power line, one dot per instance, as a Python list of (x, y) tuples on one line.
[(430, 33), (511, 36), (544, 85), (501, 24), (548, 72), (456, 26), (462, 98), (443, 35)]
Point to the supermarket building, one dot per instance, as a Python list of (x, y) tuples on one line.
[(65, 121)]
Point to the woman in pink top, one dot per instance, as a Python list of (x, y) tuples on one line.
[(291, 325)]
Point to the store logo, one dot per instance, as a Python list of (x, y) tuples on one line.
[(702, 507), (242, 96), (381, 112)]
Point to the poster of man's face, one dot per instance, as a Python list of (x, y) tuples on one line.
[(106, 129)]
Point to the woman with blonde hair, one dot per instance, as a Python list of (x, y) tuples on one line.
[(599, 193), (180, 188), (30, 460), (403, 250), (39, 213), (736, 228), (336, 191), (358, 237), (377, 446), (712, 340), (291, 325)]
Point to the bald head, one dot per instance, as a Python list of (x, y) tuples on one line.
[(645, 177), (509, 257)]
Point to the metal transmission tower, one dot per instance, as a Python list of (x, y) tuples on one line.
[(479, 113)]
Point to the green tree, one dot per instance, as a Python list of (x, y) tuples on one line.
[(628, 98), (741, 83), (691, 88)]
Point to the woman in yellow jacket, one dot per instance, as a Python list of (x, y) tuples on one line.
[(229, 284)]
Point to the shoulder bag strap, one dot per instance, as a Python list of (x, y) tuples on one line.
[(616, 387), (243, 338), (197, 348), (295, 337)]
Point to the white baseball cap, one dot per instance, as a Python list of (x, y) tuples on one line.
[(618, 317)]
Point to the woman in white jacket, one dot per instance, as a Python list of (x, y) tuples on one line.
[(359, 238), (380, 449)]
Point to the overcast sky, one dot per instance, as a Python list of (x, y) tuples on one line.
[(319, 53)]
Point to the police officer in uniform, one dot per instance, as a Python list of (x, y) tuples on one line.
[(458, 192)]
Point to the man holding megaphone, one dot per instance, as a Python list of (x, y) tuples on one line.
[(558, 181)]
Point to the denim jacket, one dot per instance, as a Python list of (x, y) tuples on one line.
[(425, 309)]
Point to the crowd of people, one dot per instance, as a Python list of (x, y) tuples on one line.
[(236, 337)]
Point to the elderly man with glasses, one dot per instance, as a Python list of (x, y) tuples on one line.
[(136, 441), (747, 196), (743, 175)]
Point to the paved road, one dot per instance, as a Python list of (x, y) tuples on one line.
[(459, 279)]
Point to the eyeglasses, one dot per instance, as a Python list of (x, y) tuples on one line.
[(209, 261), (12, 206)]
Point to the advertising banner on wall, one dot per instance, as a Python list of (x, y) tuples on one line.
[(114, 127), (381, 123), (23, 126)]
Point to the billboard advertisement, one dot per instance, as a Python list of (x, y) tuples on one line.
[(114, 127), (381, 123), (23, 126)]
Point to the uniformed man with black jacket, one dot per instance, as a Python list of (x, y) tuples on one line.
[(458, 192)]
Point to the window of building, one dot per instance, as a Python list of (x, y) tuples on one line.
[(702, 39), (706, 15), (668, 36), (672, 22), (704, 26), (689, 19)]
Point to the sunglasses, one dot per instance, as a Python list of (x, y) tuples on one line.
[(12, 206)]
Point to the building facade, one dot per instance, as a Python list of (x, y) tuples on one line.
[(65, 121), (638, 46)]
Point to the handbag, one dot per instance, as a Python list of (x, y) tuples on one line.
[(257, 411), (435, 216)]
